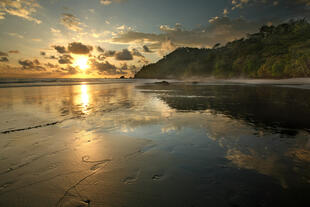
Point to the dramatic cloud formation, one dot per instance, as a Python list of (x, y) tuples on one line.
[(50, 65), (69, 70), (31, 65), (65, 59), (71, 22), (125, 54), (115, 39), (220, 30), (109, 69), (105, 68), (74, 48), (60, 49), (20, 8), (79, 48), (4, 59)]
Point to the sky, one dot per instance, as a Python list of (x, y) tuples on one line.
[(113, 38)]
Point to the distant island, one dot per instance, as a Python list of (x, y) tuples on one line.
[(281, 51)]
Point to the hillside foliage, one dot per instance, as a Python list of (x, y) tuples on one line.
[(281, 51)]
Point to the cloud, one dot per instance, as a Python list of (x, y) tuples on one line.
[(79, 48), (166, 28), (131, 68), (125, 54), (26, 63), (14, 51), (103, 66), (147, 49), (71, 22), (42, 53), (60, 49), (65, 59), (225, 12), (31, 65), (220, 30), (101, 57), (36, 62), (136, 52), (213, 19), (4, 59), (3, 54), (74, 48), (20, 8), (50, 65), (52, 57), (53, 30), (109, 53), (16, 35), (240, 4), (123, 28), (106, 68), (70, 70), (100, 49), (108, 2), (166, 47)]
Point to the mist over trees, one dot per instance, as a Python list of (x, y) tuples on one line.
[(281, 51)]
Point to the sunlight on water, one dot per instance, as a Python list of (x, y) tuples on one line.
[(84, 98)]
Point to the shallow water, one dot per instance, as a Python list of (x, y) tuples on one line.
[(127, 143)]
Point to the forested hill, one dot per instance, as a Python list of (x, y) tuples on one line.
[(274, 52)]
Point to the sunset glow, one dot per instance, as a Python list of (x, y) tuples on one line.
[(82, 63), (115, 38), (161, 103)]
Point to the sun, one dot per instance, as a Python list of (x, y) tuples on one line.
[(82, 63)]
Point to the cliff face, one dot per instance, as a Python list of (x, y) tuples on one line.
[(274, 52)]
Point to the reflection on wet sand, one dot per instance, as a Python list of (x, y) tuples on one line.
[(84, 95), (122, 145), (282, 110)]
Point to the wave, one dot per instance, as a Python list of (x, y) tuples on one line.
[(32, 82)]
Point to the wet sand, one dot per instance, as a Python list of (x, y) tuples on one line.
[(131, 144)]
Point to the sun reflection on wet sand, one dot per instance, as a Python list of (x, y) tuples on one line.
[(84, 98)]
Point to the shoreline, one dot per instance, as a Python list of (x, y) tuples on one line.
[(289, 81)]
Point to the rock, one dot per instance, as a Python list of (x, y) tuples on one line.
[(162, 83)]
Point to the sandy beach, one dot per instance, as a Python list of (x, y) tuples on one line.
[(136, 144)]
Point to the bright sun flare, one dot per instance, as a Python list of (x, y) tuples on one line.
[(82, 63)]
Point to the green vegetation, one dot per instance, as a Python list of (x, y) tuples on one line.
[(274, 52)]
